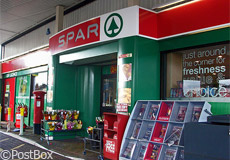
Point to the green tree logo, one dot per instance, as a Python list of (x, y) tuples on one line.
[(113, 25)]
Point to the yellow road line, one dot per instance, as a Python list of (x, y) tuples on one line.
[(1, 149), (18, 147), (4, 139)]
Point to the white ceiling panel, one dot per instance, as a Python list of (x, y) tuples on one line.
[(17, 16)]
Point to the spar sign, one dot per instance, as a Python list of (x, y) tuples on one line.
[(119, 24), (142, 22)]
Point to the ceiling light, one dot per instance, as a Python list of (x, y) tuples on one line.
[(173, 5)]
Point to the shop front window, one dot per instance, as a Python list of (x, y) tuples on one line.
[(40, 82), (198, 72)]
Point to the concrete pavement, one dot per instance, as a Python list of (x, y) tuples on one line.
[(62, 149)]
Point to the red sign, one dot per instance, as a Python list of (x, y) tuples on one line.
[(196, 16), (30, 60), (193, 16), (122, 107), (125, 55), (77, 35)]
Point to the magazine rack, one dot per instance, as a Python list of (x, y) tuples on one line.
[(114, 127), (155, 129)]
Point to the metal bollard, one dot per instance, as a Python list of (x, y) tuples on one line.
[(21, 121), (9, 115), (0, 114)]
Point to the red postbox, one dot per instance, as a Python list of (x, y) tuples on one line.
[(38, 108)]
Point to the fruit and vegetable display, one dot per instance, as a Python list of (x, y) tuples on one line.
[(59, 120)]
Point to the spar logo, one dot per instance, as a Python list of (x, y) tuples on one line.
[(113, 25)]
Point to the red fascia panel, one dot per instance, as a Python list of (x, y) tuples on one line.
[(147, 23), (193, 16), (30, 60), (69, 38)]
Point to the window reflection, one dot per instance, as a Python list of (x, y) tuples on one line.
[(40, 82), (109, 92)]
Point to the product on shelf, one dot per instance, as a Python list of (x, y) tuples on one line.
[(159, 132), (174, 137), (53, 115), (58, 120), (181, 155), (52, 125), (181, 114), (75, 114), (180, 84), (196, 113), (65, 125), (136, 130), (148, 132), (61, 115), (176, 93), (59, 126), (46, 115), (153, 152), (89, 130), (142, 152), (170, 154), (165, 131), (165, 111), (128, 152), (153, 112), (141, 111), (70, 125), (169, 110)]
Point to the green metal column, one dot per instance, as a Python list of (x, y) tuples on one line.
[(88, 94), (63, 86), (146, 70), (145, 83)]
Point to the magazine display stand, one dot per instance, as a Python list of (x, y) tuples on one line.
[(155, 129), (114, 127)]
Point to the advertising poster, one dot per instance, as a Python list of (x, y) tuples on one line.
[(125, 72), (124, 95), (208, 64), (23, 85)]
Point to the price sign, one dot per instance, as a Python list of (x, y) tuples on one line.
[(122, 107), (110, 146)]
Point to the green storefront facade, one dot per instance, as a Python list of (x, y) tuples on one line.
[(77, 70), (83, 55)]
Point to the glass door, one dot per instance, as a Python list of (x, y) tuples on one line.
[(109, 87)]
